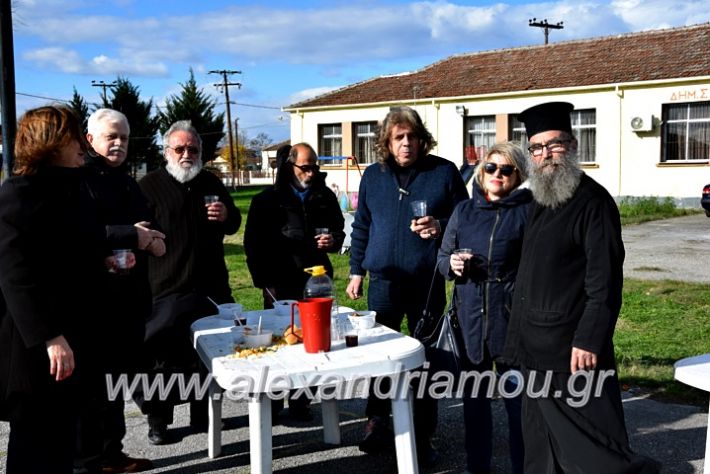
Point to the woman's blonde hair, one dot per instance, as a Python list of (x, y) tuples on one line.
[(512, 152)]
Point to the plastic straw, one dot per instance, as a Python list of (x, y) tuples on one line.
[(270, 294), (258, 328)]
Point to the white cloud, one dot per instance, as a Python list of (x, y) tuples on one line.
[(71, 62), (343, 33), (309, 93)]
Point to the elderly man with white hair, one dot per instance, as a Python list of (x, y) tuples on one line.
[(195, 211), (127, 222)]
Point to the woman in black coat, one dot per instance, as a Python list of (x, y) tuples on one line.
[(51, 270), (481, 251)]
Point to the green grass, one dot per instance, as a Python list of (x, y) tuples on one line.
[(636, 210), (660, 321)]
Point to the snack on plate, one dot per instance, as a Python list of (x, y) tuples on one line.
[(242, 352), (293, 335)]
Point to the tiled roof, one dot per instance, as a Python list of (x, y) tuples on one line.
[(652, 55)]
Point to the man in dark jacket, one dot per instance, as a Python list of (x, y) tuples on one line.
[(280, 238), (566, 303), (399, 249), (181, 195), (126, 218)]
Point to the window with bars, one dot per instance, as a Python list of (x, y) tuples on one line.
[(330, 143), (686, 132), (480, 136), (364, 136), (517, 132), (584, 129)]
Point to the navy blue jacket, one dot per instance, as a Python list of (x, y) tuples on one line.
[(483, 296), (382, 242)]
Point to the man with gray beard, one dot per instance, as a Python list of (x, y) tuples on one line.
[(566, 303), (195, 211)]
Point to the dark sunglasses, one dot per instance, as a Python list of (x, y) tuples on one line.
[(505, 170), (193, 150), (307, 168)]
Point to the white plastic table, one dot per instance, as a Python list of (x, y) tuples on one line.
[(381, 352), (695, 371)]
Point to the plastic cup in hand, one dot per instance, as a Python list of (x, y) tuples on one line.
[(211, 199), (322, 231), (466, 255), (419, 208), (121, 258)]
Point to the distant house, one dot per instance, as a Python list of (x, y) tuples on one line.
[(642, 107), (268, 155)]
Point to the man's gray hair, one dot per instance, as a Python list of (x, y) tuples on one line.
[(182, 126), (105, 115)]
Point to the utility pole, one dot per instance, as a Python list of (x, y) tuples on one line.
[(224, 85), (236, 137), (104, 86), (547, 26), (7, 90)]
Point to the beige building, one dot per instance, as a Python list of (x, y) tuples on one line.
[(642, 108)]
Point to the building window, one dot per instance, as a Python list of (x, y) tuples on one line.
[(480, 136), (330, 139), (686, 132), (364, 137), (517, 132), (584, 128)]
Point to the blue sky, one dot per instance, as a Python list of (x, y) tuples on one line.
[(287, 50)]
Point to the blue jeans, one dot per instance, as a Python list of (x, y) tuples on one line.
[(478, 422)]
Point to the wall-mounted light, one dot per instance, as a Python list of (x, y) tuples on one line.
[(461, 110)]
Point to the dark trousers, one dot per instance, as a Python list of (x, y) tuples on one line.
[(392, 300), (478, 420), (42, 436), (561, 438), (100, 433)]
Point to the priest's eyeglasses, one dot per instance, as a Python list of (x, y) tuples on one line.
[(553, 146)]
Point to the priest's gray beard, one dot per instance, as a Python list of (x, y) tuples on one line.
[(183, 174), (553, 182)]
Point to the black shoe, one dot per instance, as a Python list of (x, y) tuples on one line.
[(426, 454), (378, 436), (157, 434)]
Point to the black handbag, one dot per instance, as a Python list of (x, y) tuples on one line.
[(442, 338)]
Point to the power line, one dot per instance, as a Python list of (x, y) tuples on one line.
[(42, 97), (103, 87)]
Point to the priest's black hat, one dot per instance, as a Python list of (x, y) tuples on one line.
[(547, 116)]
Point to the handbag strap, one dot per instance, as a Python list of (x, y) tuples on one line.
[(426, 312)]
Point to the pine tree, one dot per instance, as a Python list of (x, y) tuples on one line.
[(195, 105), (80, 108), (142, 147)]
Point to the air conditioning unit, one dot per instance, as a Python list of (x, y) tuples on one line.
[(642, 123)]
